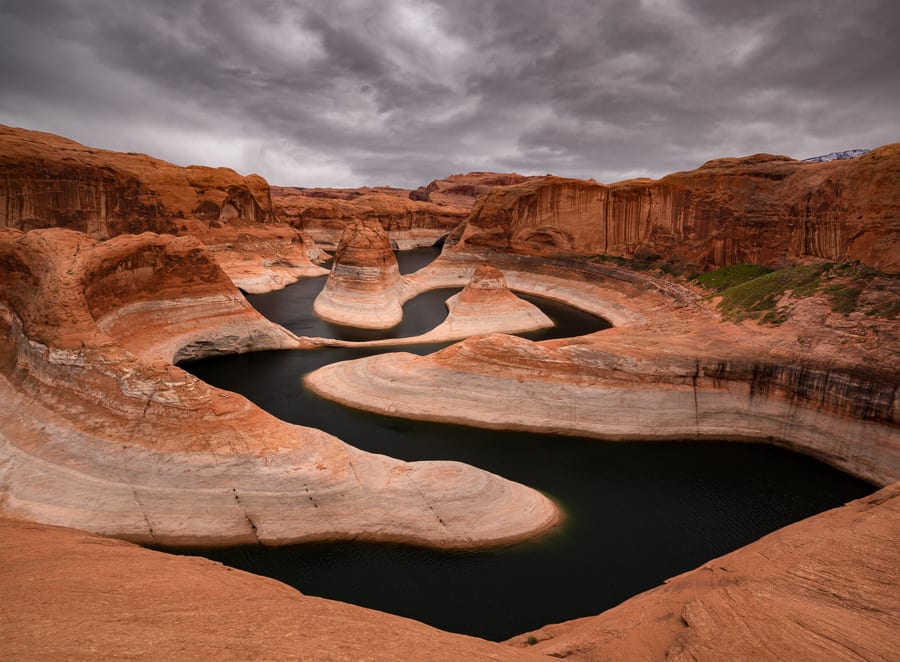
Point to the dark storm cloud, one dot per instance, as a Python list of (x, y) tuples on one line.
[(353, 92)]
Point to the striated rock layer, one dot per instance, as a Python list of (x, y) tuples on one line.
[(363, 288), (49, 181), (760, 209), (69, 595), (669, 370), (101, 432)]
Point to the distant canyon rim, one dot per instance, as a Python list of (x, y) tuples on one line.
[(115, 267)]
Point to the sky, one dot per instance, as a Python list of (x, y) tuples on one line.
[(347, 93)]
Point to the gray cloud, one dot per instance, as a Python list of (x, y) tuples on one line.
[(399, 92)]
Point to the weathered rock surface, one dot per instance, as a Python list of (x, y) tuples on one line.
[(69, 595), (50, 181), (100, 432), (364, 286), (822, 589), (484, 306), (670, 370), (760, 209)]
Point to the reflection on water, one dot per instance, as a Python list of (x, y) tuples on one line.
[(637, 513)]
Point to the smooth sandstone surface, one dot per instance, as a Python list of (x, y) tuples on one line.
[(759, 209), (101, 432), (69, 595)]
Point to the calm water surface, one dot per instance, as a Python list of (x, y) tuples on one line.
[(637, 513)]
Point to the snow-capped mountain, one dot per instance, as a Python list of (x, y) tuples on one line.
[(837, 156)]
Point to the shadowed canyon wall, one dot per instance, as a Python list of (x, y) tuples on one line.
[(760, 209)]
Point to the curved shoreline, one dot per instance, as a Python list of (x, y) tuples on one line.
[(671, 369)]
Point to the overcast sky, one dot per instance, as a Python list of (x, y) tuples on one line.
[(400, 92)]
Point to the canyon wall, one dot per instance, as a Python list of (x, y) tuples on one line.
[(49, 181), (760, 209)]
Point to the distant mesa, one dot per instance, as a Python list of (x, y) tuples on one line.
[(420, 217), (363, 288)]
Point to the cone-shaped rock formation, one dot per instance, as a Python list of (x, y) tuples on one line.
[(363, 289)]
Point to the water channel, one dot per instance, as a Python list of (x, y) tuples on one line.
[(636, 513)]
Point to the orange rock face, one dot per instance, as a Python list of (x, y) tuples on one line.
[(49, 181), (762, 209)]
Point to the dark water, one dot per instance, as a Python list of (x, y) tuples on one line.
[(637, 513)]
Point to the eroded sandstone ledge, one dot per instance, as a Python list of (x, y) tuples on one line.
[(670, 369), (101, 432)]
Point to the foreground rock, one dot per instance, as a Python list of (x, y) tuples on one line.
[(669, 370), (822, 589), (50, 181), (74, 596), (761, 209), (363, 289), (101, 432)]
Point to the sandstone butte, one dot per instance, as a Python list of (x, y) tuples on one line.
[(91, 331), (363, 288), (411, 218), (50, 181)]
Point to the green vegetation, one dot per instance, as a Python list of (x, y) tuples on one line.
[(531, 641), (843, 297), (757, 297), (750, 291), (736, 274)]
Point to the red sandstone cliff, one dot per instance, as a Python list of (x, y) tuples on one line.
[(50, 181), (759, 209)]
